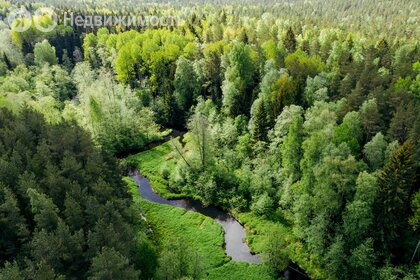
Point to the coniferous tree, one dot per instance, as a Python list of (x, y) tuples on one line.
[(49, 176), (396, 189), (289, 40), (13, 228), (384, 54), (260, 126), (370, 116), (109, 264), (7, 61)]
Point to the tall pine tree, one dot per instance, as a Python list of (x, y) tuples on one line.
[(396, 189), (289, 41), (259, 129)]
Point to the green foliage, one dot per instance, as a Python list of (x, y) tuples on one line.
[(109, 264), (44, 211), (370, 117), (336, 259), (291, 152), (186, 86), (239, 270), (89, 44), (13, 225), (212, 72), (272, 52), (178, 261), (48, 174), (150, 162), (239, 80), (289, 41), (283, 94), (9, 52), (362, 260), (263, 206), (11, 271), (259, 123), (402, 120), (397, 187), (350, 132), (177, 227), (271, 74), (44, 53), (374, 151), (111, 113), (415, 219), (201, 138), (153, 53), (263, 232), (316, 89), (276, 255), (300, 66), (359, 215)]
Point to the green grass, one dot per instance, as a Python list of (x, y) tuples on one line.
[(239, 271), (150, 163), (204, 234), (259, 230), (201, 233)]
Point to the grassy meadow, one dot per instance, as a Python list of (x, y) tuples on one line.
[(152, 164)]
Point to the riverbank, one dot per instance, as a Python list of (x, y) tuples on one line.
[(199, 232), (260, 231), (161, 160), (153, 164)]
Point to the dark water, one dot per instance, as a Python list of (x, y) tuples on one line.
[(234, 231)]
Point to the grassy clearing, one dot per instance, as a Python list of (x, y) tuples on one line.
[(239, 270), (259, 229), (153, 163), (201, 233)]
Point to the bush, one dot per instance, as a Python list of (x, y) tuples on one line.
[(263, 206), (128, 165), (165, 172)]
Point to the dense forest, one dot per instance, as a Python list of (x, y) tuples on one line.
[(302, 115)]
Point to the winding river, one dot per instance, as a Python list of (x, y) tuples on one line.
[(235, 233)]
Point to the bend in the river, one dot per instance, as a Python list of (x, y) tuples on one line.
[(234, 231)]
